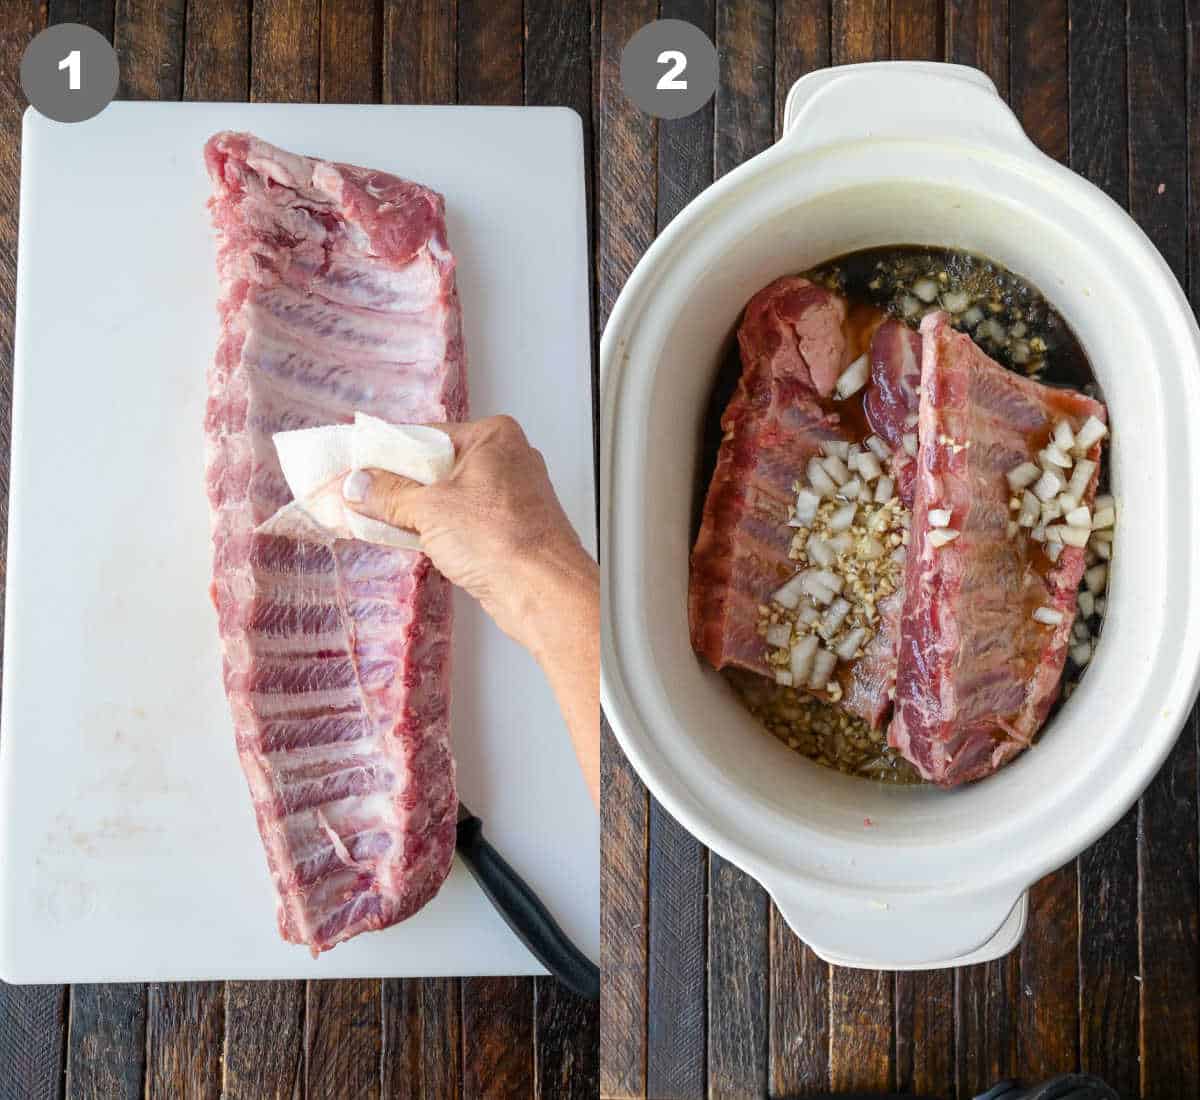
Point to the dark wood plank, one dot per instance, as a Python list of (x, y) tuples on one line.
[(567, 1049), (745, 101), (106, 1046), (185, 1026), (422, 1039), (264, 1040), (799, 1032), (625, 223), (1192, 46), (497, 1030), (216, 57), (490, 51), (861, 1030), (343, 1039), (285, 51), (925, 1032), (420, 56), (738, 977), (148, 38), (33, 1025), (977, 34), (351, 45), (986, 1023), (1108, 876), (801, 45), (860, 31), (916, 30), (97, 14), (1038, 72)]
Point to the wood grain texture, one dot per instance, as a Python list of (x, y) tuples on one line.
[(490, 36), (917, 30), (924, 1032), (33, 1026), (977, 34), (986, 1023), (802, 30), (625, 222), (860, 31), (148, 38), (285, 51), (343, 1039), (420, 55), (799, 1008), (497, 1030), (351, 51), (422, 1039), (861, 1023), (567, 1045), (1192, 49), (1038, 72), (264, 1040), (216, 56), (185, 1026), (106, 1055), (97, 14), (745, 100)]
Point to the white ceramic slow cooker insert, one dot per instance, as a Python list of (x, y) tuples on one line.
[(867, 874)]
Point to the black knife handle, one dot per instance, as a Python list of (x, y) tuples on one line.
[(525, 914)]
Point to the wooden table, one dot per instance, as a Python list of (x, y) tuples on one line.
[(706, 991), (256, 1040)]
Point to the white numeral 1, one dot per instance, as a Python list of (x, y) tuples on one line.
[(71, 63), (669, 81)]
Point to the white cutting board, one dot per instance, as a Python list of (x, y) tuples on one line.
[(128, 848)]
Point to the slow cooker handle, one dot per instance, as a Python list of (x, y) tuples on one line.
[(884, 100), (899, 932)]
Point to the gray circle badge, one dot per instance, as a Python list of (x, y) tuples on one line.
[(669, 68), (69, 72)]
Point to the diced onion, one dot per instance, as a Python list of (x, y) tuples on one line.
[(820, 480), (841, 542), (1049, 485), (910, 444), (1038, 534), (848, 646), (843, 517), (878, 447), (1064, 437), (955, 301), (1103, 550), (1076, 536), (1081, 478), (1104, 500), (1104, 517), (1087, 604), (899, 555), (1091, 433), (836, 469), (802, 657), (1051, 509), (938, 517), (835, 616), (1079, 631), (1054, 532), (1079, 517), (871, 549), (1096, 578), (851, 490), (1081, 653), (869, 467), (820, 551), (884, 488), (1054, 550), (779, 635), (1013, 528), (836, 448), (823, 666), (1101, 605), (939, 536), (830, 580), (854, 377), (1020, 477), (807, 503), (1050, 616), (783, 678), (808, 614), (1052, 456), (925, 289), (972, 317), (789, 595), (909, 306)]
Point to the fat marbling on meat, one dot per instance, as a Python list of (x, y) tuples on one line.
[(337, 295)]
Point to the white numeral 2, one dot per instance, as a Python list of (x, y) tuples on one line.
[(71, 63), (669, 81)]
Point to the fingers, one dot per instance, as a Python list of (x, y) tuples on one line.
[(386, 497)]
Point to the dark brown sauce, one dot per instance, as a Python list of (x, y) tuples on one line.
[(1037, 342)]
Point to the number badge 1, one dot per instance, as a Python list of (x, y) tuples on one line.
[(69, 72)]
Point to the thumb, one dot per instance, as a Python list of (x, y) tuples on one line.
[(384, 496)]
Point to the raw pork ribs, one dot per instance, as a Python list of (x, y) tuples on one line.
[(337, 295)]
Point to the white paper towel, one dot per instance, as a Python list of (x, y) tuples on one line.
[(315, 462)]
